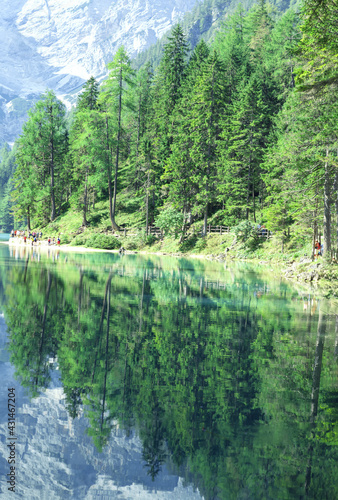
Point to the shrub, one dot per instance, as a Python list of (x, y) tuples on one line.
[(53, 227), (245, 230), (79, 240), (104, 241), (65, 239), (150, 239), (170, 221), (130, 245), (201, 244), (143, 239), (189, 243)]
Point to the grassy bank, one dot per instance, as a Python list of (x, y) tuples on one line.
[(290, 257)]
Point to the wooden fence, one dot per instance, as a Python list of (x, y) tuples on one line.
[(216, 229), (156, 231), (124, 231)]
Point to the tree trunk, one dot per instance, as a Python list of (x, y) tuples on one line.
[(315, 236), (205, 223), (184, 227), (317, 370), (327, 210), (85, 202), (117, 144), (248, 189), (336, 204), (106, 358), (253, 201), (315, 225), (28, 219), (110, 192), (336, 340), (52, 171), (147, 202), (209, 156), (138, 144)]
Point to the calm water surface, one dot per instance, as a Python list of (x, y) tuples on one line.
[(164, 378)]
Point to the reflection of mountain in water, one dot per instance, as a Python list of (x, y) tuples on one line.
[(67, 465)]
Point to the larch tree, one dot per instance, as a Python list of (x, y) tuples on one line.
[(42, 148), (114, 99)]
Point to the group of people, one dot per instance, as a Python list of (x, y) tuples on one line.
[(34, 237)]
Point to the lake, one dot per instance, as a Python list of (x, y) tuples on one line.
[(150, 377)]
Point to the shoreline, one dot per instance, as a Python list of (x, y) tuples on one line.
[(314, 275), (71, 248)]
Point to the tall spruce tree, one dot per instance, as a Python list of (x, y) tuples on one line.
[(166, 92), (80, 146), (200, 128), (180, 167)]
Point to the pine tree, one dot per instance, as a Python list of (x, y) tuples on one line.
[(319, 45), (166, 92), (195, 175), (300, 165), (173, 67), (180, 167), (80, 141)]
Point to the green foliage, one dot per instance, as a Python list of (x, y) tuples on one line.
[(41, 177), (244, 230), (201, 244), (170, 221), (318, 47), (79, 240), (213, 366), (96, 240), (150, 239), (105, 241), (130, 244), (7, 169), (144, 239), (222, 135)]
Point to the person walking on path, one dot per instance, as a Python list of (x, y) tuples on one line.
[(317, 249)]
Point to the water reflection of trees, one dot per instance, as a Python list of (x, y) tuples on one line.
[(225, 383)]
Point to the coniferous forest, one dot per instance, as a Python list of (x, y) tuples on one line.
[(240, 130)]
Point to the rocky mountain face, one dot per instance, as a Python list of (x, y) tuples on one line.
[(59, 44)]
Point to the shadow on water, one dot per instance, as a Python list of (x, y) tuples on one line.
[(228, 378)]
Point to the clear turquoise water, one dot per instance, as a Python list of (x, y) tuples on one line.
[(169, 368)]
